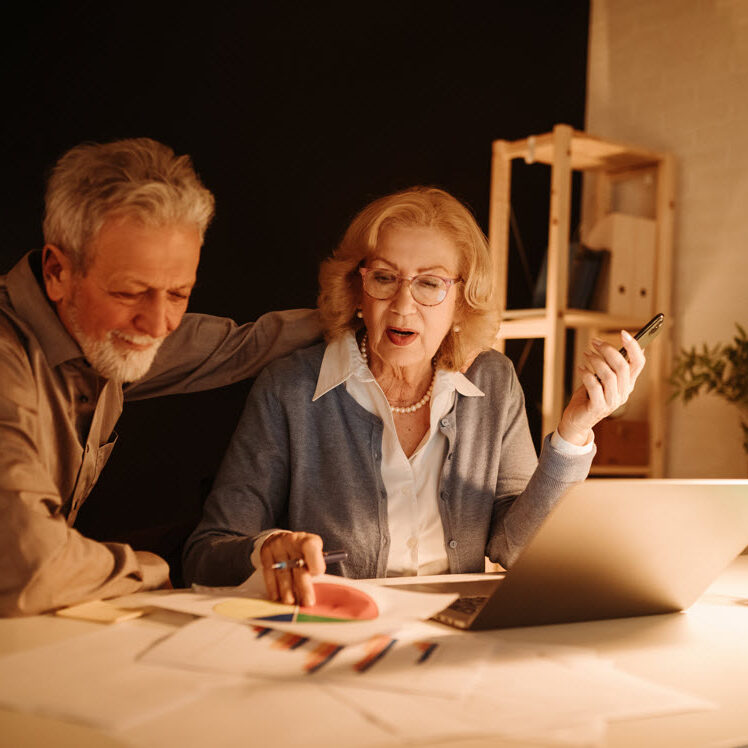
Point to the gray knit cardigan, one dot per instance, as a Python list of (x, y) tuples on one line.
[(315, 466)]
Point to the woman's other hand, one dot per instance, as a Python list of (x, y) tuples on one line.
[(293, 583), (607, 381)]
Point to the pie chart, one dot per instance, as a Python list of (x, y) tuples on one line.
[(336, 603)]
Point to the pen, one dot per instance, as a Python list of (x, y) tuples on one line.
[(296, 563)]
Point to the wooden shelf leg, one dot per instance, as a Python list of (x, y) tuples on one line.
[(498, 221), (558, 273)]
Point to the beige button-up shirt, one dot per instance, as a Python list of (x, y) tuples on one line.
[(57, 419)]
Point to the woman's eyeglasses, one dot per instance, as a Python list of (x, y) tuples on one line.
[(428, 290)]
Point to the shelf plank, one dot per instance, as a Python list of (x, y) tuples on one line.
[(603, 320), (535, 327), (587, 152), (535, 323)]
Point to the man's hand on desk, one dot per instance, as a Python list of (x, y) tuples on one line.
[(155, 571)]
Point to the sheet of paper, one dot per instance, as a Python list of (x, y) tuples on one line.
[(272, 714), (428, 720), (412, 660), (527, 692), (94, 679), (393, 609), (580, 684)]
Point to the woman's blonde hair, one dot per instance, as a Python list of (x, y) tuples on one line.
[(416, 207), (137, 177)]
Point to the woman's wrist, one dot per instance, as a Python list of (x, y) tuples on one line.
[(576, 436)]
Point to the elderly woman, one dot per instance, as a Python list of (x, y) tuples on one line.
[(375, 443)]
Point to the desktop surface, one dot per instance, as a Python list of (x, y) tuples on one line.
[(702, 651)]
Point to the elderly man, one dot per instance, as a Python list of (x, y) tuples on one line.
[(98, 317)]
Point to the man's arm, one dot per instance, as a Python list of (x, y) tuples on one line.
[(45, 564), (206, 352)]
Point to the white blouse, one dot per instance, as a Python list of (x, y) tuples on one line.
[(412, 483)]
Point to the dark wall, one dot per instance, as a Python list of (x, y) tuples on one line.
[(296, 115)]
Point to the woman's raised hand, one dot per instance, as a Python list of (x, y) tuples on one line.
[(297, 557), (607, 381)]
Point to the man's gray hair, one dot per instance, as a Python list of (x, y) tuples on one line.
[(138, 178)]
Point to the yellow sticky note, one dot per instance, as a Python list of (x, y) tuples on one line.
[(100, 611)]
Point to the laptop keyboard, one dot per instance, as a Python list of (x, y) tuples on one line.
[(468, 604)]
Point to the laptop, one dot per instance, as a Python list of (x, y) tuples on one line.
[(614, 548)]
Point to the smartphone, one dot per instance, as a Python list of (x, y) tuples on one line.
[(647, 334)]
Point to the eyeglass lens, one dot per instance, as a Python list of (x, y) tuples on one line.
[(426, 289)]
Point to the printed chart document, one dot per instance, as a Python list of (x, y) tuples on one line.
[(410, 660), (347, 610)]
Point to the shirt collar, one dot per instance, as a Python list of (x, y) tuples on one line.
[(343, 359), (32, 305), (463, 385)]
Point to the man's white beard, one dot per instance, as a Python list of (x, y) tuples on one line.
[(111, 361), (114, 363)]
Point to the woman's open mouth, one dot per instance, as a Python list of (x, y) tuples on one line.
[(401, 337)]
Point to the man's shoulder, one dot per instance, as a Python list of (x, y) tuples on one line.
[(4, 296), (21, 352), (16, 373), (14, 334), (7, 313)]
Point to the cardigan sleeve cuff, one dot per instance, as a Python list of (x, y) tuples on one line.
[(558, 442), (260, 539), (563, 467)]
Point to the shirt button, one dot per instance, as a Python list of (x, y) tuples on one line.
[(444, 423), (412, 543), (453, 544)]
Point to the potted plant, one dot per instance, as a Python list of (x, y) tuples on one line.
[(722, 370)]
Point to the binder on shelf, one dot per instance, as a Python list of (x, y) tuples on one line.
[(585, 270), (584, 276), (627, 286)]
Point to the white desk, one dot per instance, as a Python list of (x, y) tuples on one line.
[(703, 652)]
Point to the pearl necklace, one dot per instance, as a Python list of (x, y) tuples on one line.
[(401, 408)]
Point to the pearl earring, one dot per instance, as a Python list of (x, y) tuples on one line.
[(359, 314), (457, 328)]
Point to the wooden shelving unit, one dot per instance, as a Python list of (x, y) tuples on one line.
[(607, 166)]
